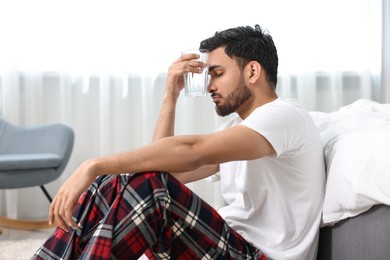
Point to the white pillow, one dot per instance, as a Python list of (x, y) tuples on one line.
[(356, 141)]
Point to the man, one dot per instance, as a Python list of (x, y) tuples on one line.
[(269, 158)]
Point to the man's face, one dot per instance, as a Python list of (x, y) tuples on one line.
[(227, 85)]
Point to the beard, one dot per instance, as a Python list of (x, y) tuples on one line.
[(235, 99)]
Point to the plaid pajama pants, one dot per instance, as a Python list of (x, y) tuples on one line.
[(124, 216)]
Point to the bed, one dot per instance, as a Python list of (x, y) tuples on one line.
[(356, 211)]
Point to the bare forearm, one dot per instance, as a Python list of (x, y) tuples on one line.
[(166, 120), (181, 156), (198, 174), (165, 125)]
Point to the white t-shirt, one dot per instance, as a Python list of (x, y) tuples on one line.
[(275, 202)]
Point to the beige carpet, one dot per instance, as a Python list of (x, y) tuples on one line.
[(24, 249), (19, 249)]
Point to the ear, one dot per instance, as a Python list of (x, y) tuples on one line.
[(253, 71)]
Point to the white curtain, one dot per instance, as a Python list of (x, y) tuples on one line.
[(385, 76), (100, 67)]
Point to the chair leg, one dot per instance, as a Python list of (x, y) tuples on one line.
[(46, 193)]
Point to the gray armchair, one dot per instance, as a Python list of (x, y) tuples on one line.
[(32, 156)]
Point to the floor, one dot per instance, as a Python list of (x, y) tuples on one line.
[(14, 234), (13, 248), (21, 244)]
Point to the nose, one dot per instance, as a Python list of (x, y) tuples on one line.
[(211, 87)]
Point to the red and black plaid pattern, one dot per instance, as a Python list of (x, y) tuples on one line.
[(124, 216)]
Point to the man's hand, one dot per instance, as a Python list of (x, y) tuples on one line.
[(64, 203), (186, 63)]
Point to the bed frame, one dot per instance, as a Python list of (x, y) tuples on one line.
[(364, 237)]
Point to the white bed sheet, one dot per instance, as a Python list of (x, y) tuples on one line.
[(356, 141)]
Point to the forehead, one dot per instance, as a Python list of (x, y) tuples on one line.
[(218, 58)]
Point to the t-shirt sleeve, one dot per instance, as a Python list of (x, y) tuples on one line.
[(282, 125)]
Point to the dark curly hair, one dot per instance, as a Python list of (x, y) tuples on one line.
[(247, 44)]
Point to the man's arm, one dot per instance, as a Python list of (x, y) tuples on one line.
[(166, 120), (186, 153), (176, 153), (175, 83), (165, 128), (198, 174), (165, 125)]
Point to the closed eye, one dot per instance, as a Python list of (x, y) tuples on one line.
[(214, 73)]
